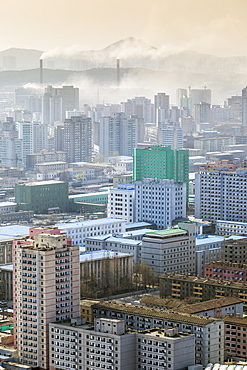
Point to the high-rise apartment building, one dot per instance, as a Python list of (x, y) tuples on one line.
[(159, 201), (244, 106), (161, 107), (118, 135), (10, 145), (171, 136), (162, 163), (220, 194), (56, 101), (45, 290), (78, 139)]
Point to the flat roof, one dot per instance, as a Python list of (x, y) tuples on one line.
[(48, 182), (209, 239), (88, 223), (7, 267), (137, 224), (115, 239), (232, 222), (88, 194), (13, 231), (103, 253), (168, 231), (5, 204)]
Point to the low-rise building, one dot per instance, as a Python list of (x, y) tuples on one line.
[(43, 196), (79, 231), (107, 270), (203, 289)]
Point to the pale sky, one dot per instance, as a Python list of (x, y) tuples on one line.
[(209, 26)]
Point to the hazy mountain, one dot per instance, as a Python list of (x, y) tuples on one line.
[(144, 70), (14, 58)]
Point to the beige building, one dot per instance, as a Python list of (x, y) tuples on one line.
[(45, 289)]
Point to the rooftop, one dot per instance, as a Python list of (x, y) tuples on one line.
[(88, 223), (97, 255), (11, 231), (167, 232), (153, 312)]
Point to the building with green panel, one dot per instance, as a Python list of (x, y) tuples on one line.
[(161, 162), (43, 196)]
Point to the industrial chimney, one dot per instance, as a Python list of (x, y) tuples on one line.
[(118, 72), (41, 71)]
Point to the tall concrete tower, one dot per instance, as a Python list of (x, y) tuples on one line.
[(244, 106), (45, 289)]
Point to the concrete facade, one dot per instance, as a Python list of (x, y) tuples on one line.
[(170, 250), (160, 201)]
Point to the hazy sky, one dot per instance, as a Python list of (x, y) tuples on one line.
[(210, 26)]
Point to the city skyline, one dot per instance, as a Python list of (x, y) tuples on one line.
[(211, 27)]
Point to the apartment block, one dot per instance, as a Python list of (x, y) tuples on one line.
[(45, 289), (121, 202), (221, 195), (109, 345), (235, 338), (234, 250), (226, 271), (202, 289), (168, 201), (170, 250), (209, 332), (217, 308)]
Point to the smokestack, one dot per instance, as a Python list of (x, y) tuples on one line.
[(118, 72), (41, 71)]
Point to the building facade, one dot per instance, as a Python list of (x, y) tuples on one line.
[(209, 332), (221, 195), (121, 202), (159, 201), (43, 196), (171, 250)]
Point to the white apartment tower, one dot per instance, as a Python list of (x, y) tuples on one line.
[(221, 195), (160, 201), (45, 290), (121, 202)]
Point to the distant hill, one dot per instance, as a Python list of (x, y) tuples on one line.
[(145, 70), (19, 58)]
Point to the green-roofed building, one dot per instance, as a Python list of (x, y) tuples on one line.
[(161, 162), (171, 250)]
